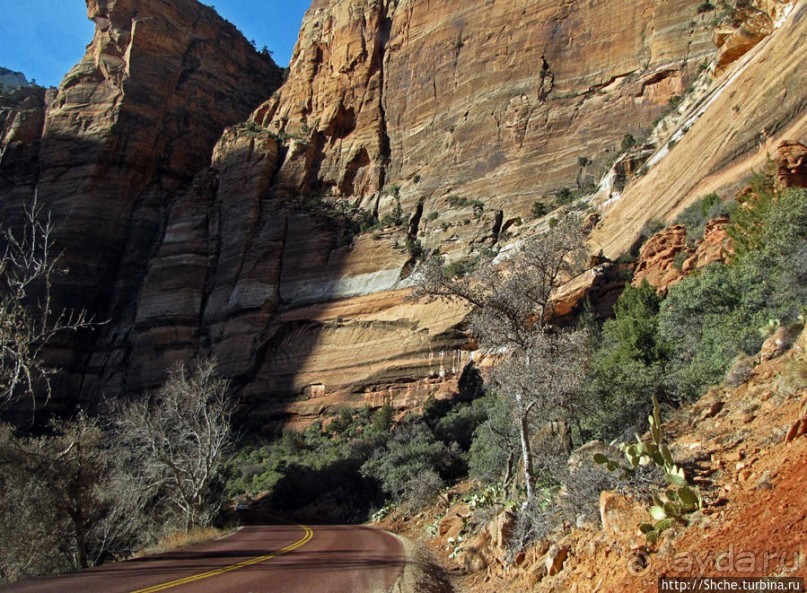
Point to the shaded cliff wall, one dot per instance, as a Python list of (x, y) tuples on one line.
[(127, 130)]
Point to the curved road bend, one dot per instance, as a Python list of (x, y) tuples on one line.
[(282, 558)]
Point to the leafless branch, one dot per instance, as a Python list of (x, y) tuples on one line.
[(28, 318)]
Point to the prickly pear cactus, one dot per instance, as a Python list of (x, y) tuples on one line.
[(679, 499)]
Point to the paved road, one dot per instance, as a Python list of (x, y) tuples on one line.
[(256, 559)]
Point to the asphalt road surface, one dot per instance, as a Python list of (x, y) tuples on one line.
[(287, 558)]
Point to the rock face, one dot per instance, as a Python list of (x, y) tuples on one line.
[(791, 164), (128, 129), (10, 80), (470, 102), (22, 117), (737, 38), (730, 132), (443, 125), (666, 258), (404, 126)]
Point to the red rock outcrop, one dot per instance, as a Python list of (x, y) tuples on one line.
[(737, 38), (666, 258), (715, 246), (791, 164), (659, 260)]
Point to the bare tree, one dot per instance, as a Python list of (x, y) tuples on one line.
[(178, 438), (28, 318), (543, 381), (53, 498), (512, 310)]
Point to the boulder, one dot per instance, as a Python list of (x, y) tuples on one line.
[(791, 164), (620, 515), (555, 559)]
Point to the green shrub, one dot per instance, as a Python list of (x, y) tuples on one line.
[(713, 317), (396, 217), (652, 227), (539, 209), (414, 248), (460, 268), (634, 327), (768, 217), (709, 319), (564, 196), (408, 463), (457, 201), (628, 142), (457, 425), (628, 364), (705, 6), (494, 447), (697, 215)]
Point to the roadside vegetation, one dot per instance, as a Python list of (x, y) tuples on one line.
[(95, 487), (555, 387), (353, 465), (89, 489)]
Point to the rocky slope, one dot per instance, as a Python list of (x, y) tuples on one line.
[(737, 444), (403, 126), (725, 132)]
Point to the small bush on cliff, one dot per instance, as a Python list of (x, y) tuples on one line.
[(539, 209), (564, 196), (696, 216), (461, 267), (705, 6), (396, 217)]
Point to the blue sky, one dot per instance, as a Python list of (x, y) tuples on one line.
[(43, 39)]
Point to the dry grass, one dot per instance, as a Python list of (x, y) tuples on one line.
[(182, 539), (421, 574)]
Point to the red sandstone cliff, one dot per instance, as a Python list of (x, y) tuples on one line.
[(108, 153), (453, 117)]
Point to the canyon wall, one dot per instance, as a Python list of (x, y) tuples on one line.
[(285, 244), (112, 148), (443, 124)]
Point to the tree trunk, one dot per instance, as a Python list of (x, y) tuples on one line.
[(508, 472), (81, 539), (524, 437)]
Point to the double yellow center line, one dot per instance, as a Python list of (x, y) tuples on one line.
[(309, 533)]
